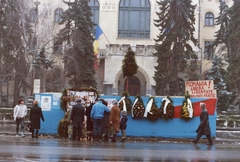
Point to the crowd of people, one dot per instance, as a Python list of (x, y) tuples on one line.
[(102, 123)]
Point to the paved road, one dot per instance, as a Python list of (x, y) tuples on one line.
[(226, 148), (51, 149)]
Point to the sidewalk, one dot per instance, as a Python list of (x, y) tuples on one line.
[(223, 135)]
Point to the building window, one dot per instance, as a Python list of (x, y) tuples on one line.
[(208, 50), (58, 15), (209, 19), (134, 19), (57, 47), (94, 5), (33, 16)]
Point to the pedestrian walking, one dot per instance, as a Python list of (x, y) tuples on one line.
[(115, 119), (97, 114), (204, 126), (35, 116), (77, 119), (89, 106), (123, 125), (19, 114)]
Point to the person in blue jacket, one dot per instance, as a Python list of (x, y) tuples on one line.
[(97, 115)]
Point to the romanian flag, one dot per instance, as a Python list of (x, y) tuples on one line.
[(97, 35)]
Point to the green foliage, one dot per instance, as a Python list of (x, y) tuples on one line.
[(218, 74), (173, 45), (79, 57), (233, 35), (129, 65)]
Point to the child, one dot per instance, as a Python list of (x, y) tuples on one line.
[(123, 125)]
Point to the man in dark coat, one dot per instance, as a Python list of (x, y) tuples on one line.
[(35, 115), (89, 120), (204, 127), (77, 119)]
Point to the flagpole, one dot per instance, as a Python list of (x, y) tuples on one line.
[(106, 38)]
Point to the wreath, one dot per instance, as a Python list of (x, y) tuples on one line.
[(125, 100), (187, 108), (138, 108), (166, 111), (153, 114)]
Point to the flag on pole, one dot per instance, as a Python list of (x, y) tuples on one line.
[(98, 32), (97, 35)]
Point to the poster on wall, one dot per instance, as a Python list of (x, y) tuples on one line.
[(46, 103), (201, 89), (109, 101)]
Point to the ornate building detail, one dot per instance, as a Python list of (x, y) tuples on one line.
[(124, 48), (140, 50), (114, 48), (150, 50)]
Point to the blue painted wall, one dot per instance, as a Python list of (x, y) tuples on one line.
[(52, 116), (172, 128)]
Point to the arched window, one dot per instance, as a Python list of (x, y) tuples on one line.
[(209, 19), (33, 16), (94, 5), (58, 15), (134, 19)]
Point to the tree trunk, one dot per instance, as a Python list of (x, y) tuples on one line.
[(127, 85)]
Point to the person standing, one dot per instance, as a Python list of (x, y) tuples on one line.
[(19, 113), (97, 114), (77, 119), (115, 119), (89, 106), (105, 122), (123, 125), (35, 115), (204, 126)]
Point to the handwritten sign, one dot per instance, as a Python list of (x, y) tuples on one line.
[(201, 89)]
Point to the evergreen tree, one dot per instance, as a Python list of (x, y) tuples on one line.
[(14, 55), (233, 34), (218, 74), (79, 57), (221, 35), (176, 26), (129, 65)]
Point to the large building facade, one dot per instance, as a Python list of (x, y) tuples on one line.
[(124, 23)]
